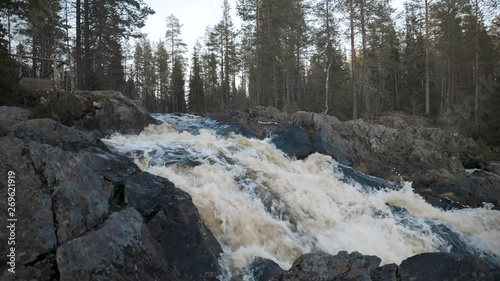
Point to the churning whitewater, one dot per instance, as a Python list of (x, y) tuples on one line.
[(260, 203)]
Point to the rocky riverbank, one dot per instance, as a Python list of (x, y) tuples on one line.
[(85, 213), (394, 147)]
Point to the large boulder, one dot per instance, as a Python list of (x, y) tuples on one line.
[(79, 196), (388, 272), (51, 132), (294, 141), (85, 213), (325, 267), (169, 213), (470, 190), (445, 266), (99, 112), (175, 223), (10, 115), (261, 270), (121, 249), (35, 226), (265, 270), (258, 122)]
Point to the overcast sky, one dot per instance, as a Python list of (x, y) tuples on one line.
[(194, 15)]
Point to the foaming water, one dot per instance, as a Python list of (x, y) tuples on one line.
[(260, 203)]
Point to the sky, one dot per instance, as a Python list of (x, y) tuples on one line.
[(194, 15)]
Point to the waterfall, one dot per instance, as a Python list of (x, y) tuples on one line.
[(258, 202)]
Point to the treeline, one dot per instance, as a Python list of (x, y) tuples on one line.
[(87, 34), (352, 59)]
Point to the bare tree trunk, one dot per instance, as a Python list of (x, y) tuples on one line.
[(476, 70), (449, 91), (8, 32), (364, 80), (69, 85), (353, 58), (88, 58), (327, 82), (396, 86), (427, 78)]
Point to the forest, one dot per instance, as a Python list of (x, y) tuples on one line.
[(352, 59)]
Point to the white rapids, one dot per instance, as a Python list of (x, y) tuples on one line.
[(260, 203)]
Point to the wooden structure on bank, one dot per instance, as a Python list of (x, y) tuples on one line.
[(52, 80)]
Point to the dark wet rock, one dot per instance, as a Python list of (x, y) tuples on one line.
[(294, 141), (177, 226), (264, 270), (388, 272), (351, 175), (260, 269), (50, 132), (325, 267), (10, 115), (171, 217), (444, 266), (331, 144), (255, 123), (120, 249), (467, 191), (456, 244), (325, 137)]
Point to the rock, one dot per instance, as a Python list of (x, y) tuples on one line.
[(294, 141), (10, 115), (112, 167), (112, 112), (494, 167), (331, 144), (470, 190), (388, 272), (99, 112), (170, 215), (43, 268), (353, 176), (257, 122), (444, 266), (35, 226), (121, 249), (79, 197), (50, 132), (325, 267), (264, 270), (175, 223), (75, 219)]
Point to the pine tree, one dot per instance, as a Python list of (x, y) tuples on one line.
[(177, 88), (163, 74), (174, 39), (196, 93)]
